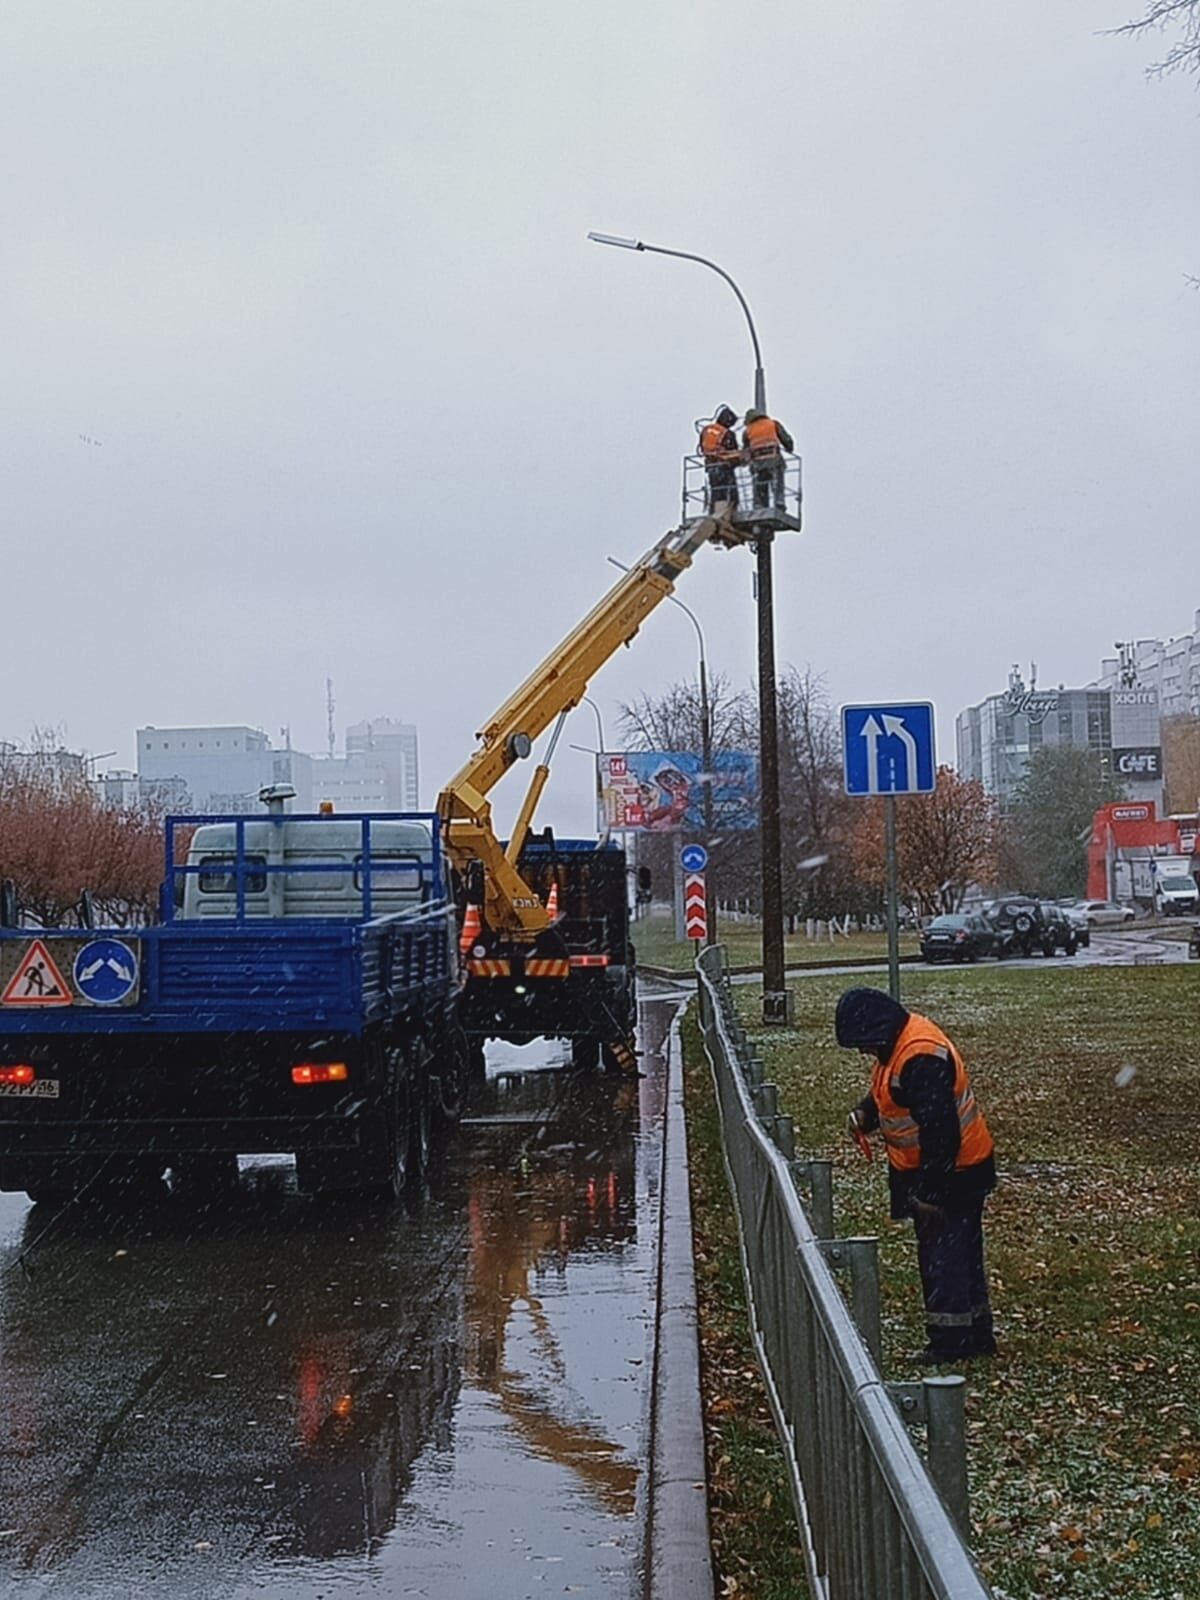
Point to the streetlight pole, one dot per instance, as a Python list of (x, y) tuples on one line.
[(776, 1000)]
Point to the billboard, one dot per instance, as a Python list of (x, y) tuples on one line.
[(662, 791)]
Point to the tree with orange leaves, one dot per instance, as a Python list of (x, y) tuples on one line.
[(945, 841)]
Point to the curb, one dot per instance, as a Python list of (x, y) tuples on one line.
[(678, 1552)]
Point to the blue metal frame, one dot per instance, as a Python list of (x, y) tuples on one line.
[(244, 974), (432, 871)]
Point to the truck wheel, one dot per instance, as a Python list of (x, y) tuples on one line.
[(374, 1169), (476, 1060), (585, 1053), (453, 1075)]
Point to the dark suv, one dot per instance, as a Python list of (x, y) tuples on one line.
[(1020, 928), (1061, 929)]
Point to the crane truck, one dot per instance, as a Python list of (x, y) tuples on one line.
[(324, 986), (544, 922)]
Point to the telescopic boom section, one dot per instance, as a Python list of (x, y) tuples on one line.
[(558, 684)]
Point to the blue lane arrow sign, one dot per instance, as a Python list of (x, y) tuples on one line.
[(889, 749), (106, 971), (693, 858)]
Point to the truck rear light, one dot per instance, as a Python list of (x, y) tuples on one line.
[(589, 961), (18, 1074), (320, 1072)]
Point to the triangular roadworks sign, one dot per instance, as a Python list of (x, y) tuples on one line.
[(37, 981)]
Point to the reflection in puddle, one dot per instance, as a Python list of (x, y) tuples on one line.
[(282, 1395)]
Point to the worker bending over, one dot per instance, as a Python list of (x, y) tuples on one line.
[(940, 1161)]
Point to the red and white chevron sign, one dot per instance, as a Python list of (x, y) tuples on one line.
[(695, 907)]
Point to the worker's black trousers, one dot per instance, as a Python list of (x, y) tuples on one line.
[(958, 1315), (722, 488)]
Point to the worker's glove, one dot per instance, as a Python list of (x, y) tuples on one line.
[(854, 1123)]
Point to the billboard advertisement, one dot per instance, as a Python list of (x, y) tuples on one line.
[(662, 791)]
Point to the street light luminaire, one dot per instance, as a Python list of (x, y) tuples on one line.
[(612, 238)]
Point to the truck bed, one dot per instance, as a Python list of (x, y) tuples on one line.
[(237, 977)]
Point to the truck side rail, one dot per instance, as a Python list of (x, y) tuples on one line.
[(249, 872)]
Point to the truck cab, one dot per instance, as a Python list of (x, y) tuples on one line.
[(1175, 891)]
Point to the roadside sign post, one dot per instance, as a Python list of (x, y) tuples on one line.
[(695, 898), (893, 897), (889, 750)]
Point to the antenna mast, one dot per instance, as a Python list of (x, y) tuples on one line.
[(329, 714)]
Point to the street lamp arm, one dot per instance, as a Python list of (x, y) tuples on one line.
[(760, 380), (684, 255)]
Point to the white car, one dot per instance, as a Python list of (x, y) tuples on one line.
[(1105, 913)]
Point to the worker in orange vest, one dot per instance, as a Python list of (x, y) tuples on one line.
[(764, 441), (941, 1165), (719, 447)]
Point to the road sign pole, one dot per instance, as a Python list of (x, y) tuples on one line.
[(893, 899)]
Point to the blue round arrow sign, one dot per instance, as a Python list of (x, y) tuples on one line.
[(105, 971), (693, 858)]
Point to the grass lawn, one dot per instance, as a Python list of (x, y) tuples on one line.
[(654, 938), (1085, 1433)]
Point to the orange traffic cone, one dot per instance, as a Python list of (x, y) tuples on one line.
[(552, 902), (471, 929)]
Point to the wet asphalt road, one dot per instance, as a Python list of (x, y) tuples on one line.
[(275, 1396)]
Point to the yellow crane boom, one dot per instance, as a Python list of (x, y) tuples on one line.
[(511, 908)]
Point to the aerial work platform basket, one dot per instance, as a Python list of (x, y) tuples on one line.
[(760, 496)]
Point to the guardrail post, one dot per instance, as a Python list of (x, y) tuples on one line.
[(819, 1177), (766, 1101), (945, 1415), (861, 1255), (785, 1137), (753, 1071)]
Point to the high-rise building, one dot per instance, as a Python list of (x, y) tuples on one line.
[(1170, 667), (393, 747), (222, 768), (996, 739)]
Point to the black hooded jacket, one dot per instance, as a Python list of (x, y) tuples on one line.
[(868, 1019)]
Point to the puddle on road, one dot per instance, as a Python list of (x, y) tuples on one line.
[(303, 1400)]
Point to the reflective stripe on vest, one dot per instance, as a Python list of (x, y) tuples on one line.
[(762, 436), (714, 439), (901, 1135)]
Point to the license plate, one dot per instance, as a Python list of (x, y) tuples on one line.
[(41, 1089)]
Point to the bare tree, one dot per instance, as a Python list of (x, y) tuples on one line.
[(57, 839), (1180, 19)]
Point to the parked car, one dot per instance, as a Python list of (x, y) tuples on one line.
[(1106, 913), (1060, 928), (957, 938), (1019, 927), (1078, 920)]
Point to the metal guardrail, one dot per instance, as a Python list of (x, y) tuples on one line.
[(873, 1524)]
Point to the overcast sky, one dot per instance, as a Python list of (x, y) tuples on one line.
[(309, 370)]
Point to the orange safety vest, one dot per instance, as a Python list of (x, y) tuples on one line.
[(901, 1135), (713, 444), (762, 436)]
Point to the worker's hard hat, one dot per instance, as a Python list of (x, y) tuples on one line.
[(753, 415)]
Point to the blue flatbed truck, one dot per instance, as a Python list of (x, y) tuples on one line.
[(301, 993)]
